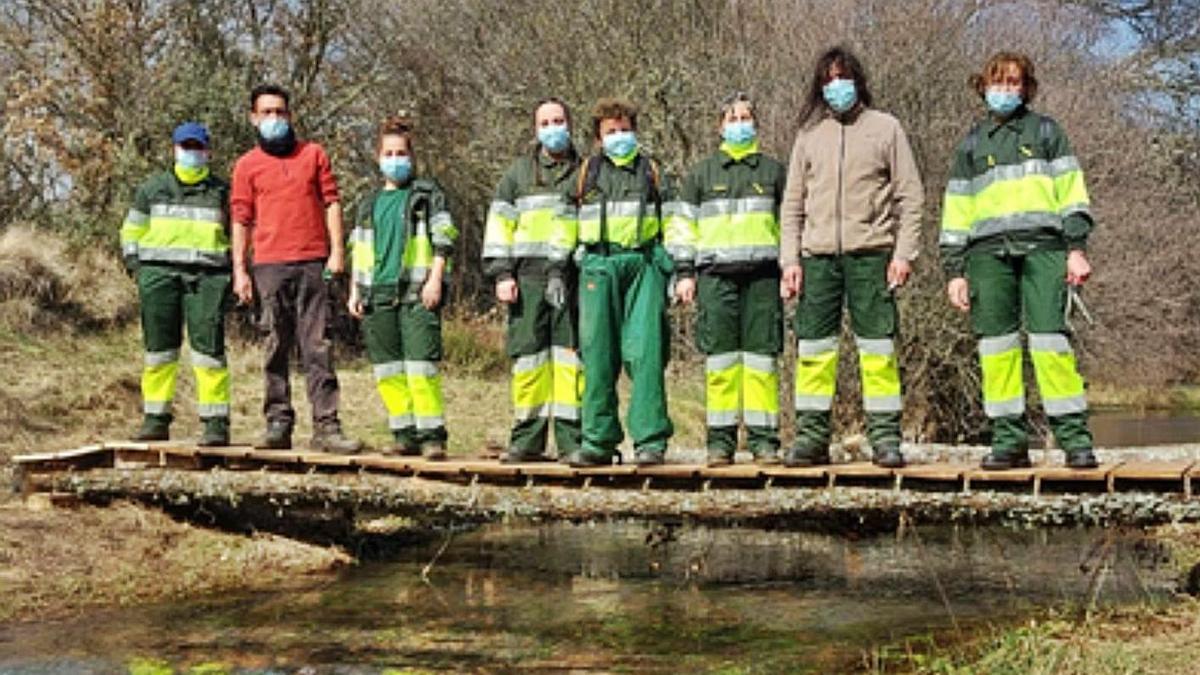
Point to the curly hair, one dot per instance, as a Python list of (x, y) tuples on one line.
[(995, 67), (613, 108), (395, 125)]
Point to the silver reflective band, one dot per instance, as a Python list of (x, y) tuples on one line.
[(990, 346), (538, 202), (421, 368), (816, 347), (162, 358), (1071, 209), (156, 407), (530, 362), (522, 414), (207, 214), (685, 210), (362, 235), (1016, 222), (417, 274), (881, 403), (363, 278), (875, 346), (758, 418), (732, 254), (1064, 406), (628, 209), (205, 361), (1009, 408), (389, 369), (724, 361), (398, 422), (728, 207), (813, 402), (502, 210), (589, 212), (1049, 342), (189, 256), (497, 251), (441, 219), (564, 411), (954, 237), (430, 421), (721, 418), (206, 410), (537, 249), (135, 217), (679, 252), (565, 356), (129, 248), (762, 363), (1008, 172)]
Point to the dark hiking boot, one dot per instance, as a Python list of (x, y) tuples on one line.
[(514, 456), (434, 451), (718, 457), (402, 449), (889, 458), (331, 439), (649, 457), (215, 434), (800, 457), (154, 428), (278, 436), (582, 460), (1082, 459), (1000, 460)]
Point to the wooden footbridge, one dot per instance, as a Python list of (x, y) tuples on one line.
[(38, 472)]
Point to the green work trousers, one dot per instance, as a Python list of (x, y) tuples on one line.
[(546, 381), (172, 296), (1003, 288), (859, 280), (404, 344), (739, 327), (623, 322)]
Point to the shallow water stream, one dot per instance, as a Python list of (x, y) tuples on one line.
[(619, 597)]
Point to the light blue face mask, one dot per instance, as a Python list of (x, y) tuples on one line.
[(620, 145), (840, 94), (554, 137), (739, 133), (273, 128), (1002, 102), (397, 168), (191, 159)]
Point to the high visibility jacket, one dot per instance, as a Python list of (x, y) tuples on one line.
[(1014, 186), (531, 225), (430, 232), (624, 205), (176, 223), (728, 218)]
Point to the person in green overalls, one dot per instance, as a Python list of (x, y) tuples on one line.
[(622, 200), (402, 241)]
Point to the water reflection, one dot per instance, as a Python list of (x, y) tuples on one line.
[(619, 597)]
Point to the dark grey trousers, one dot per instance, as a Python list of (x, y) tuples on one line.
[(295, 304)]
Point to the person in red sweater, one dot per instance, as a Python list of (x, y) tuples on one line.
[(285, 206)]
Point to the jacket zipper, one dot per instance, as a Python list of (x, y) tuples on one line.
[(840, 185)]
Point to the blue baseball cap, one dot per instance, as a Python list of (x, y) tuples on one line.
[(190, 131)]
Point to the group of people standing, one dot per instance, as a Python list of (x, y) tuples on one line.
[(586, 252)]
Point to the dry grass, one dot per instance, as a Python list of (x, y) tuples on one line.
[(56, 561)]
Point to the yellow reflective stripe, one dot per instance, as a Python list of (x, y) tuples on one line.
[(133, 229), (158, 386), (568, 383), (622, 223), (425, 385), (880, 381), (680, 234), (532, 384), (1071, 193), (212, 384), (1058, 378), (178, 233), (1033, 193), (393, 389), (957, 213), (442, 229), (498, 230), (547, 231), (362, 255), (1000, 364), (816, 373), (760, 390), (418, 253), (723, 385)]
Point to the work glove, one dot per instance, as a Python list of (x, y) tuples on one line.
[(556, 292)]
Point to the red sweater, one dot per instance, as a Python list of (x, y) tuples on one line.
[(283, 199)]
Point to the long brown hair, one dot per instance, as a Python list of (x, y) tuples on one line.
[(815, 105), (572, 155)]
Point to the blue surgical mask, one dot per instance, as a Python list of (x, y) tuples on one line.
[(191, 159), (554, 137), (620, 145), (273, 128), (1002, 102), (840, 94), (397, 168), (739, 133)]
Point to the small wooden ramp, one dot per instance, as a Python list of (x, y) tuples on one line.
[(1165, 476)]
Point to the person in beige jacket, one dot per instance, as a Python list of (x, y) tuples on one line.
[(850, 222)]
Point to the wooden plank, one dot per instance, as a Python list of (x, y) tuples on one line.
[(949, 473), (858, 470), (1012, 476), (733, 472), (673, 471), (328, 459), (612, 471), (275, 456), (799, 472), (1139, 470), (1068, 475), (60, 456), (389, 463), (546, 470)]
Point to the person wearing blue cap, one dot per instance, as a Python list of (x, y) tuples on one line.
[(175, 240)]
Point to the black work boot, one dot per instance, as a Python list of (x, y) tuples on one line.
[(889, 458), (768, 457), (1003, 460), (215, 434), (154, 428), (649, 457), (434, 451), (582, 459), (798, 457), (277, 437), (1082, 459), (329, 438), (518, 456), (719, 457)]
